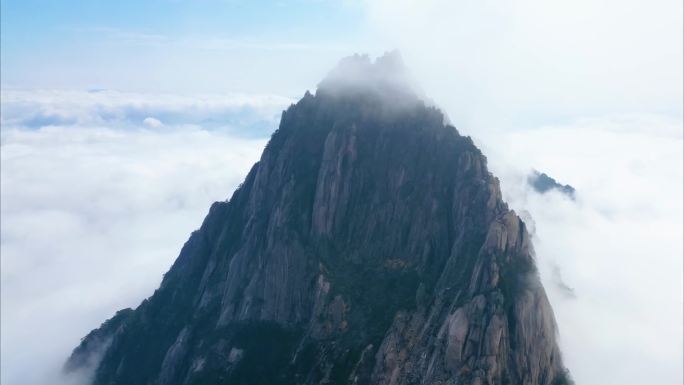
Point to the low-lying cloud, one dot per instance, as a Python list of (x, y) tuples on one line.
[(95, 208), (611, 260), (240, 114), (94, 214)]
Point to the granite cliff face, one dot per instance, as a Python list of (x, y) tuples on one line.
[(369, 245)]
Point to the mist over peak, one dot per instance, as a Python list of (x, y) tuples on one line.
[(387, 76)]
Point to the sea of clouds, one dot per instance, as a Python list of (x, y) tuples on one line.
[(99, 192), (100, 189), (610, 260)]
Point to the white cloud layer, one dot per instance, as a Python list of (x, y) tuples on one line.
[(97, 201), (93, 215), (491, 63), (241, 114), (618, 247)]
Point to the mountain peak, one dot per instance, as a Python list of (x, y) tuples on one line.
[(358, 74), (543, 183), (368, 246)]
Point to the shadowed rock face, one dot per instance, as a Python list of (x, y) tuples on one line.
[(369, 245)]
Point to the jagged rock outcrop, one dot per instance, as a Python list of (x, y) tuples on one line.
[(543, 183), (369, 245)]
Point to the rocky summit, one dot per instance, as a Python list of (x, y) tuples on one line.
[(368, 245), (543, 183)]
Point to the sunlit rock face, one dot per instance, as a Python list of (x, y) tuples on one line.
[(369, 245)]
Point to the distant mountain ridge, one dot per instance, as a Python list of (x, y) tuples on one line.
[(369, 245)]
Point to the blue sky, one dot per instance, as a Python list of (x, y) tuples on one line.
[(38, 24), (486, 64), (165, 44)]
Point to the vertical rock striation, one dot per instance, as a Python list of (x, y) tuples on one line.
[(369, 245)]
